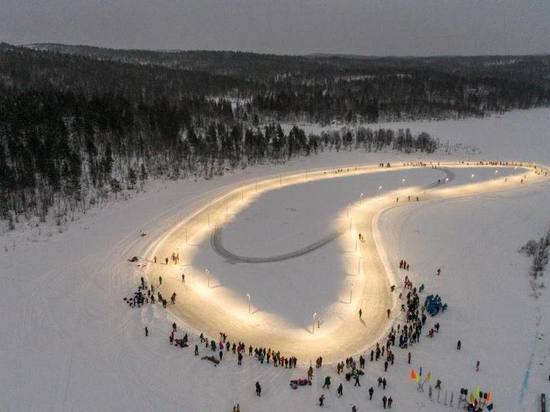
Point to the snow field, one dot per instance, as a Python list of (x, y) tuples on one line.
[(70, 343)]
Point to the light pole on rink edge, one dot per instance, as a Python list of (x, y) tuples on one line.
[(248, 296), (313, 323)]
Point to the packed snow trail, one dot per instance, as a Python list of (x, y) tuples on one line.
[(211, 308)]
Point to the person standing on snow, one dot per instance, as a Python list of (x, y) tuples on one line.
[(371, 392), (340, 390), (258, 389)]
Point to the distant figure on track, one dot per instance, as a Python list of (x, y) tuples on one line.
[(258, 389)]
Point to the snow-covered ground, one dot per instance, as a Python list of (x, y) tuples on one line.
[(69, 342), (516, 135), (484, 280)]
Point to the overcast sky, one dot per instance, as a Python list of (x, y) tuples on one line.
[(367, 27)]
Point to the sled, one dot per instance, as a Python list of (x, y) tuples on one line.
[(211, 359), (294, 383), (181, 343)]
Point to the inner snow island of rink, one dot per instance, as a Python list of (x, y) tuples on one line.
[(295, 262)]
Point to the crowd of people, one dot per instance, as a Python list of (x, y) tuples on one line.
[(403, 335)]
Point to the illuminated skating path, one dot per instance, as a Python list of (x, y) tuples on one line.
[(204, 305)]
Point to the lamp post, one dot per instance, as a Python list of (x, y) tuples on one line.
[(358, 265), (248, 296), (207, 277), (351, 293), (313, 329), (361, 199)]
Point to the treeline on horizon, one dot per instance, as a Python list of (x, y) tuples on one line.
[(78, 127)]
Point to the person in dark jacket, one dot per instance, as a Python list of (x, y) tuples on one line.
[(258, 389)]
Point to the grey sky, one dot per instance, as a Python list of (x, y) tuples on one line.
[(369, 27)]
